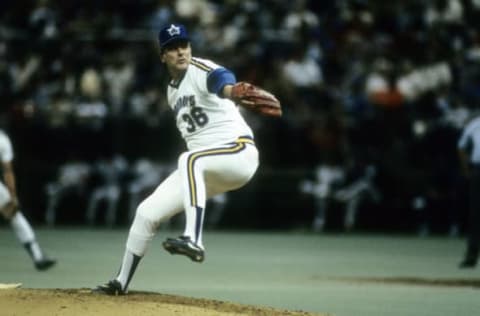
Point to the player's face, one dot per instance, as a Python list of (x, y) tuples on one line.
[(177, 57)]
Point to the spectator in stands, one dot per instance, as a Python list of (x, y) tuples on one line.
[(73, 177), (110, 173)]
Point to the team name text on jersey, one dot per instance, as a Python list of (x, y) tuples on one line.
[(186, 100)]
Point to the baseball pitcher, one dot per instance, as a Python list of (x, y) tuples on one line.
[(221, 153)]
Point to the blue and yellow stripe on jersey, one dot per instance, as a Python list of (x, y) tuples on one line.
[(237, 146), (217, 78), (200, 65)]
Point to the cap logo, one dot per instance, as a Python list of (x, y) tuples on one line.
[(173, 30)]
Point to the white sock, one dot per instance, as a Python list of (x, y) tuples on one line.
[(139, 237), (24, 232), (129, 265)]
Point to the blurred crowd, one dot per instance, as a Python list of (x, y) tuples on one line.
[(365, 85)]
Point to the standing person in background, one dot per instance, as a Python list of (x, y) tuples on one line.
[(469, 155), (221, 154), (9, 208)]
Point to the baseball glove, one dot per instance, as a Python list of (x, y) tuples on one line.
[(256, 99)]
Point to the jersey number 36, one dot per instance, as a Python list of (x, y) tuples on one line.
[(196, 118)]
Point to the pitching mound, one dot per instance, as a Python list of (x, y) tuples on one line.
[(68, 302)]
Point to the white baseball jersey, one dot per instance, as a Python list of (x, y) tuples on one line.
[(6, 155), (203, 118)]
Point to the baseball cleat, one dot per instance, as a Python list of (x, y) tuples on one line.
[(45, 264), (112, 287), (183, 245)]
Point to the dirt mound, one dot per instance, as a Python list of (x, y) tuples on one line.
[(68, 302)]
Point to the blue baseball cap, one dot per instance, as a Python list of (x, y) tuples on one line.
[(172, 33)]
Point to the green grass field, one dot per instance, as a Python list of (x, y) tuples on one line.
[(344, 275)]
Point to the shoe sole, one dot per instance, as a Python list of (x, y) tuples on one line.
[(108, 292), (44, 267), (179, 249), (105, 290)]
